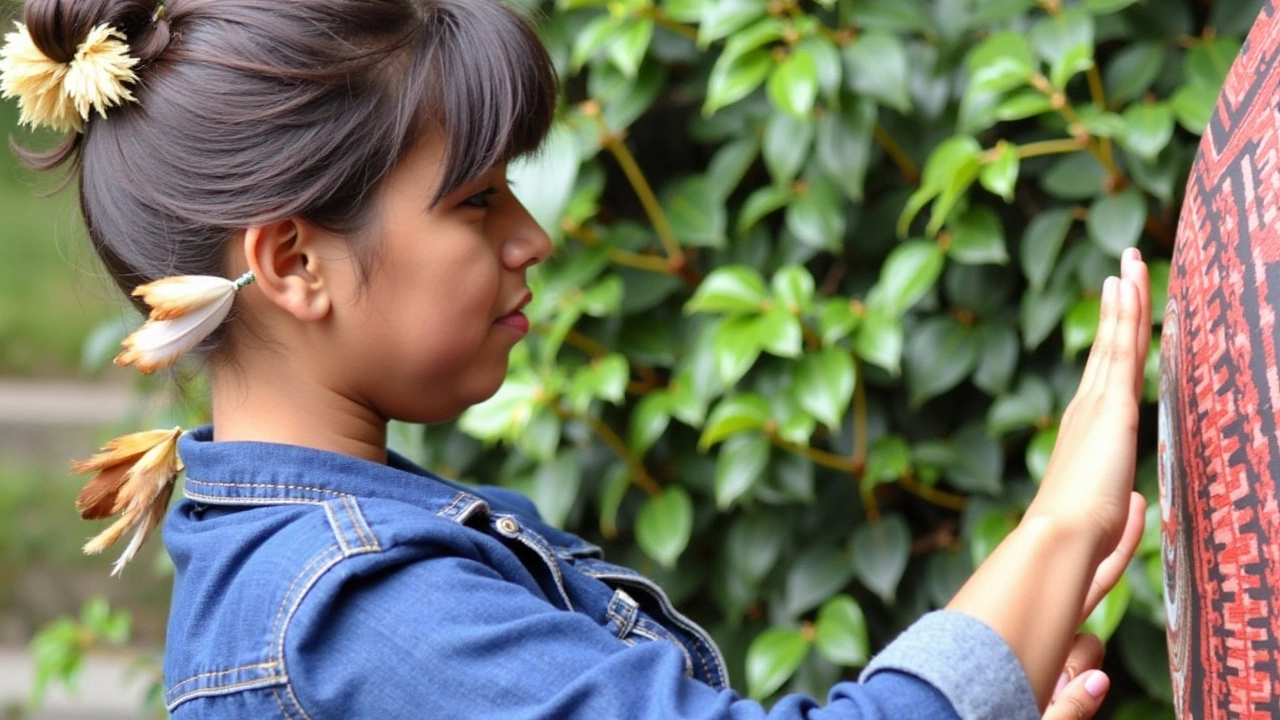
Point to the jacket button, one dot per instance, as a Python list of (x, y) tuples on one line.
[(508, 526)]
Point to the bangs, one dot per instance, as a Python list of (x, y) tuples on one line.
[(489, 87)]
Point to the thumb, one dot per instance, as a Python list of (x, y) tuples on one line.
[(1080, 698)]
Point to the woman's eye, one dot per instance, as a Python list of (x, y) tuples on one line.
[(480, 199)]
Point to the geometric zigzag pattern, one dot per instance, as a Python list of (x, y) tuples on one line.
[(1220, 395)]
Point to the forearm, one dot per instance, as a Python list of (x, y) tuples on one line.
[(1030, 591)]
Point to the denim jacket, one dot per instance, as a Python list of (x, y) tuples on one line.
[(312, 585)]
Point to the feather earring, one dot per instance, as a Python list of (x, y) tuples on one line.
[(135, 477), (184, 310)]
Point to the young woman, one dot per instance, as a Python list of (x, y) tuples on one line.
[(335, 169)]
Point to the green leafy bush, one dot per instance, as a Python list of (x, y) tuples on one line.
[(825, 273)]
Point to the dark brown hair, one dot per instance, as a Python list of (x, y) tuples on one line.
[(253, 111)]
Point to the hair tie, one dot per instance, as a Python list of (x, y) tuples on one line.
[(60, 95), (184, 310), (135, 477)]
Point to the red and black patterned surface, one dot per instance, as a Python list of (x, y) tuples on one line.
[(1220, 390)]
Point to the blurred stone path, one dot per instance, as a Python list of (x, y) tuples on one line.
[(108, 690), (42, 424)]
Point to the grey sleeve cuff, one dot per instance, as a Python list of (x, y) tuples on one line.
[(967, 662)]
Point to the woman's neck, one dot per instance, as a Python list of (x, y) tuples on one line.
[(268, 402)]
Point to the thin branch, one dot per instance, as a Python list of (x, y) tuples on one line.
[(616, 145), (618, 256), (896, 153), (940, 498), (819, 457), (640, 477), (1051, 147)]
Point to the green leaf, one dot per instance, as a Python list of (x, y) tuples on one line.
[(593, 37), (816, 217), (1000, 176), (664, 525), (1209, 61), (649, 420), (950, 170), (1132, 71), (1022, 105), (739, 465), (736, 346), (774, 656), (786, 146), (979, 466), (735, 414), (779, 332), (754, 543), (1080, 327), (793, 84), (940, 354), (977, 238), (1042, 242), (696, 212), (824, 383), (880, 340), (1115, 222), (876, 65), (1193, 106), (845, 140), (627, 48), (1040, 312), (735, 77), (999, 358), (1148, 128), (760, 203), (505, 415), (543, 181), (880, 553), (836, 320), (793, 288), (1029, 405), (989, 532), (1106, 617), (1065, 41), (888, 459), (1001, 62), (605, 379), (730, 164), (1078, 176), (910, 271), (816, 574), (555, 486), (1039, 450), (721, 18), (730, 289), (841, 632)]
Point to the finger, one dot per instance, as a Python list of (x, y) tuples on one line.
[(1086, 654), (1122, 354), (1133, 268), (1094, 367), (1114, 565), (1081, 698)]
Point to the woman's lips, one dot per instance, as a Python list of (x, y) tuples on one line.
[(516, 321)]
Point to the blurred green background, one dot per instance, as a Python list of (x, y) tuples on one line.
[(52, 296)]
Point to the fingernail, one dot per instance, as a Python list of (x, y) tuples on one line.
[(1097, 683), (1062, 682)]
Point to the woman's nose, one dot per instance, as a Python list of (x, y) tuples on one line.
[(527, 244)]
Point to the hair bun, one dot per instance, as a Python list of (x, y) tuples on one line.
[(58, 27)]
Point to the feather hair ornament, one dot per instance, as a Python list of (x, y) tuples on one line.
[(184, 310), (135, 477), (61, 95)]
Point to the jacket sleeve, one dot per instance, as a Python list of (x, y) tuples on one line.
[(448, 637)]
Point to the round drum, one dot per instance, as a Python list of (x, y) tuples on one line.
[(1219, 394)]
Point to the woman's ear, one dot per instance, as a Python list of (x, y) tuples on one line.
[(289, 268)]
